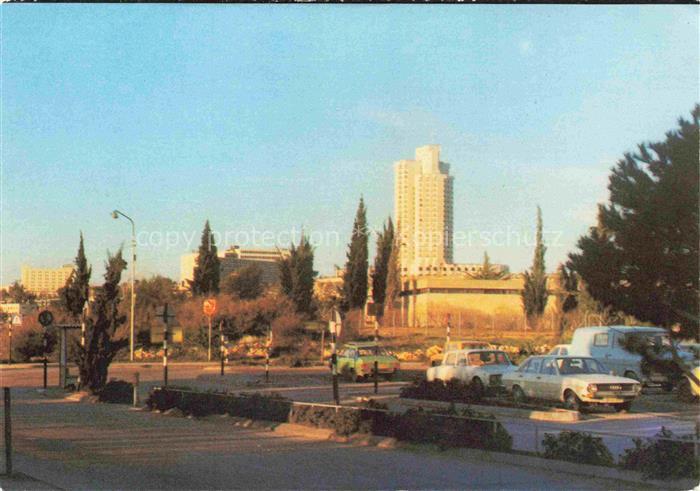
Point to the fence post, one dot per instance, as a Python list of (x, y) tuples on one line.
[(8, 433)]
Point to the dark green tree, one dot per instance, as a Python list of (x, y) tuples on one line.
[(393, 276), (534, 295), (100, 345), (297, 276), (487, 271), (385, 244), (246, 283), (206, 272), (76, 291), (286, 265), (18, 294), (303, 276), (642, 257), (355, 277)]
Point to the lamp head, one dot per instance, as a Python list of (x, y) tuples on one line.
[(115, 215)]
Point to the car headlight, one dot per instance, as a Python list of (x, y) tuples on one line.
[(637, 388), (592, 388)]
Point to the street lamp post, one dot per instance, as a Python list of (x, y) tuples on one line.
[(115, 215)]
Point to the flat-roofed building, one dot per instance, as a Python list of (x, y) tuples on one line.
[(45, 281), (234, 259), (426, 300)]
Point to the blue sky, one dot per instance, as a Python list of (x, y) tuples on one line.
[(272, 117)]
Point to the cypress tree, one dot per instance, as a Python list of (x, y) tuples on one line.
[(355, 278), (297, 276), (385, 242), (534, 295), (77, 288), (487, 271), (393, 275), (303, 275), (100, 348), (206, 272)]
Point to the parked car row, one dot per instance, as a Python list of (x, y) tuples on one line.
[(575, 381)]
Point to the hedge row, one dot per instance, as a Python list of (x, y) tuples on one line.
[(445, 429), (253, 406)]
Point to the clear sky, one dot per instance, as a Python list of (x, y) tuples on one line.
[(265, 118)]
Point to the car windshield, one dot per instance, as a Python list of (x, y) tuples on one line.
[(573, 366), (371, 351), (488, 358)]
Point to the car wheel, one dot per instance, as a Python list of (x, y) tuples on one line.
[(518, 394), (624, 407), (572, 402), (477, 387)]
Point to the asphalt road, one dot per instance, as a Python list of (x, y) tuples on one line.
[(652, 412), (103, 446)]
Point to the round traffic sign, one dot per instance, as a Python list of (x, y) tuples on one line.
[(209, 307), (45, 318)]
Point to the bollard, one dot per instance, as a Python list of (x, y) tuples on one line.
[(8, 433), (136, 389), (376, 376)]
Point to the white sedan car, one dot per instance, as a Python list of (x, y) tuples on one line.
[(483, 368), (574, 380)]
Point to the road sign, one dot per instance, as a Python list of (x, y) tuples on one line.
[(165, 314), (175, 335), (16, 320), (45, 318), (209, 307)]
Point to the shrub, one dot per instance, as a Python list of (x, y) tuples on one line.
[(574, 446), (269, 407), (344, 421), (662, 459), (117, 392), (445, 430), (437, 390), (28, 343)]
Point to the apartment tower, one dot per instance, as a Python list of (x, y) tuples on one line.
[(423, 211)]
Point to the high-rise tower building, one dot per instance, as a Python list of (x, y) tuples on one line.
[(423, 210)]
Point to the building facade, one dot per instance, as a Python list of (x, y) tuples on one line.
[(45, 281), (234, 259), (423, 211)]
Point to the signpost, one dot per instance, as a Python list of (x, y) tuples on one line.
[(334, 326), (166, 315), (209, 308), (268, 344), (222, 345), (45, 319)]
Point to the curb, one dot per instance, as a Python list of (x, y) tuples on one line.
[(557, 415)]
